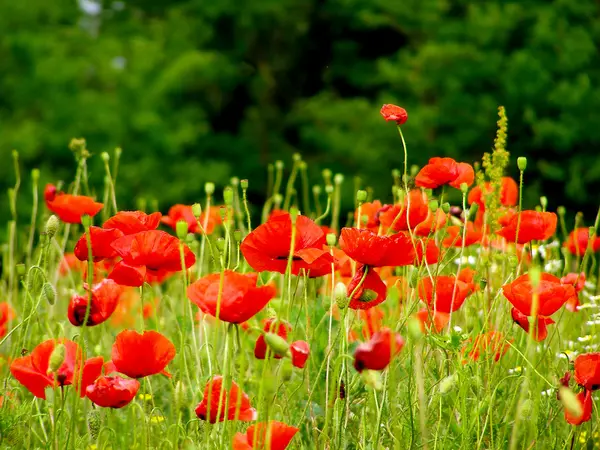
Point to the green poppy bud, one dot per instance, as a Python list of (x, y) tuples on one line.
[(105, 157), (220, 244), (544, 201), (464, 187), (237, 235), (338, 178), (209, 188), (235, 181), (446, 207), (434, 205), (279, 164), (414, 170), (228, 196), (316, 189), (57, 357), (340, 295), (277, 344), (561, 210), (413, 326), (49, 293), (35, 175), (244, 184), (197, 210), (361, 196), (396, 173), (94, 423), (181, 229), (331, 239), (297, 157), (329, 189), (522, 163), (52, 226)]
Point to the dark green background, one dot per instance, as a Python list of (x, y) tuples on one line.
[(198, 90)]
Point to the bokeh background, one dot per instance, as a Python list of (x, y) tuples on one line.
[(197, 90)]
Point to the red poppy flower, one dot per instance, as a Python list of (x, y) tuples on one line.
[(369, 210), (112, 392), (393, 113), (105, 298), (454, 236), (279, 433), (379, 351), (551, 294), (267, 247), (432, 223), (101, 240), (587, 371), (69, 208), (140, 355), (440, 171), (32, 370), (69, 263), (240, 298), (151, 252), (541, 330), (533, 225), (426, 251), (467, 275), (397, 218), (279, 327), (184, 212), (366, 247), (491, 344), (448, 291), (578, 242), (585, 400), (509, 193), (578, 282), (430, 320), (7, 313), (366, 291), (131, 222), (214, 393), (300, 351)]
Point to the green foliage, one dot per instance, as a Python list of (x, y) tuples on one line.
[(196, 91)]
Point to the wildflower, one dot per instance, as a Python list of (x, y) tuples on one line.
[(491, 344), (578, 282), (509, 193), (393, 113), (467, 275), (432, 223), (440, 171), (366, 289), (131, 222), (541, 323), (7, 314), (413, 212), (105, 298), (70, 208), (369, 210), (443, 293), (268, 247), (300, 351), (579, 240), (279, 436), (587, 371), (100, 240), (279, 327), (184, 212), (585, 403), (377, 353), (426, 251), (430, 320), (112, 392), (140, 355), (236, 299), (532, 225), (366, 247), (551, 294), (215, 394), (454, 236)]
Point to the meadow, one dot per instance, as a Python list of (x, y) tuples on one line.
[(417, 324)]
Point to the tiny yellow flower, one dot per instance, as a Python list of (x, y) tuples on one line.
[(145, 397), (157, 419)]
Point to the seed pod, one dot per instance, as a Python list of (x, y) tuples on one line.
[(94, 423), (181, 228), (277, 344), (52, 226), (49, 293)]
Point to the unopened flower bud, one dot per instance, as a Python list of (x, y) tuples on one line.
[(220, 244), (464, 187), (35, 175), (279, 164), (52, 226), (57, 357), (522, 163), (329, 189), (302, 165), (228, 196), (197, 210), (544, 201), (413, 327), (209, 188), (361, 196), (237, 235), (297, 157), (340, 295), (49, 293), (561, 210), (105, 156), (414, 170), (244, 184), (395, 173), (446, 207), (316, 189), (570, 402), (181, 229), (338, 178), (448, 383), (331, 239), (277, 199), (433, 205), (235, 181), (277, 344)]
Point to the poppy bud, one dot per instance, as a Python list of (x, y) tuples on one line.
[(372, 378), (294, 214), (235, 181), (331, 239), (570, 401), (338, 178), (57, 357), (464, 187), (228, 196), (414, 170), (105, 156), (52, 226), (341, 298), (279, 164), (277, 344), (277, 199), (361, 196), (327, 175), (297, 157), (316, 189), (86, 221), (244, 184), (448, 383), (522, 163), (434, 205), (181, 228), (237, 235), (77, 145), (197, 210), (561, 210), (94, 423), (413, 326), (396, 173), (209, 188), (220, 244), (446, 207), (329, 189), (302, 165), (49, 293), (544, 201), (35, 175)]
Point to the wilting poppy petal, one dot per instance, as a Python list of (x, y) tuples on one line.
[(140, 355), (300, 351), (92, 369), (112, 392), (377, 353), (127, 275)]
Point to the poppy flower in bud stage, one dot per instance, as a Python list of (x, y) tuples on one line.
[(397, 218), (105, 298), (551, 294), (237, 300), (215, 392), (366, 289), (366, 247), (393, 113), (268, 247), (533, 226), (578, 282), (509, 193), (131, 222), (300, 351), (585, 400), (278, 433), (369, 210), (491, 344), (578, 242), (7, 313), (101, 240), (454, 236), (280, 328), (427, 252), (151, 252), (432, 223), (112, 392), (542, 322), (184, 212), (587, 371), (70, 208), (377, 353), (430, 320), (141, 355), (440, 171), (445, 293)]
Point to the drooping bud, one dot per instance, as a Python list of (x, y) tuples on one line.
[(277, 344), (522, 163), (181, 229), (57, 357), (49, 293), (446, 207), (52, 226)]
